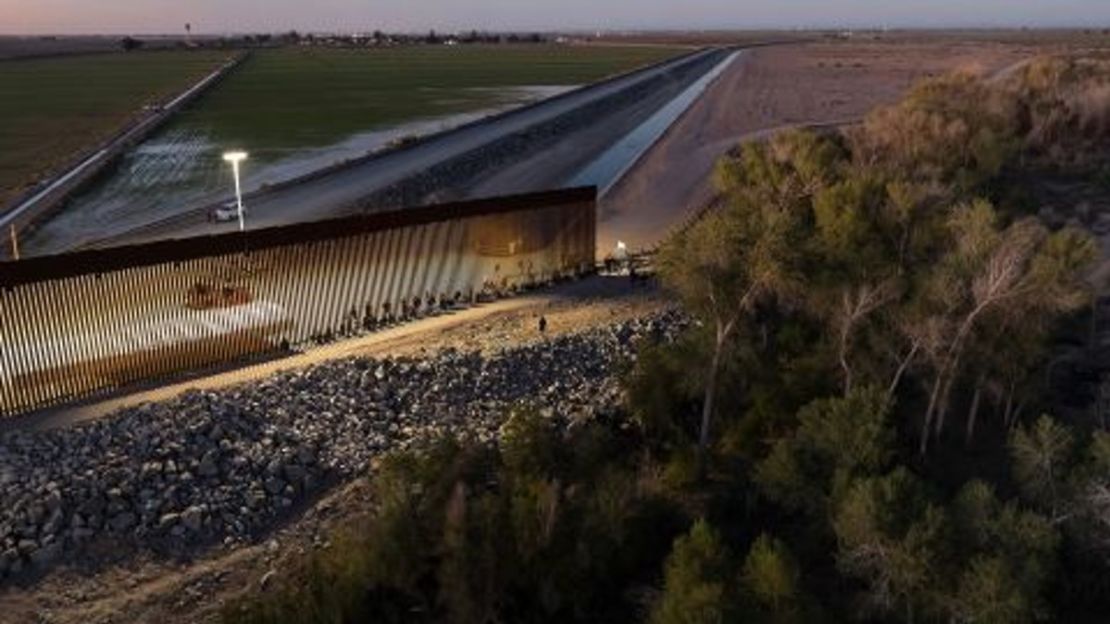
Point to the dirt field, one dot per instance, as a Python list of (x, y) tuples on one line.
[(1039, 36), (769, 88)]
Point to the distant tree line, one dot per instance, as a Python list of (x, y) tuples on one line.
[(379, 38), (861, 425), (130, 43), (376, 38)]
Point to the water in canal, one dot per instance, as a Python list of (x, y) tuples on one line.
[(608, 168)]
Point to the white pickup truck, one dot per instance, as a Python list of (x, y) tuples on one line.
[(225, 213)]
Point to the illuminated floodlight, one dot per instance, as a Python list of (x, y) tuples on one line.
[(235, 158)]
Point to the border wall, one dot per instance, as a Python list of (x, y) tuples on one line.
[(78, 325)]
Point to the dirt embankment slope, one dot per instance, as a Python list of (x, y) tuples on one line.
[(766, 89)]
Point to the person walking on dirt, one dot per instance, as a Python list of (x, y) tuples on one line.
[(543, 324)]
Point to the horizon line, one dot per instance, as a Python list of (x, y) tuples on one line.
[(575, 30)]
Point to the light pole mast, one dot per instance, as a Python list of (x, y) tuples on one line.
[(235, 158), (15, 242)]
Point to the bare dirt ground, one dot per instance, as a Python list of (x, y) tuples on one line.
[(143, 587), (770, 88)]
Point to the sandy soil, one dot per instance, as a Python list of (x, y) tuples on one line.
[(118, 586), (766, 89)]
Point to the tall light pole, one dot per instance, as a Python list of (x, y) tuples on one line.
[(235, 158), (15, 242)]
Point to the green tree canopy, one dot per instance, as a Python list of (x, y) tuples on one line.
[(695, 587)]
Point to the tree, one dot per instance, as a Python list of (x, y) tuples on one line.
[(856, 272), (528, 443), (1092, 486), (954, 129), (837, 440), (732, 261), (704, 265), (659, 392), (912, 219), (1007, 558), (1043, 456), (130, 43), (456, 575), (888, 536), (770, 573), (694, 588), (1063, 103), (1017, 274), (988, 593)]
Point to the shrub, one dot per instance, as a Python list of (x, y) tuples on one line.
[(695, 590), (770, 573)]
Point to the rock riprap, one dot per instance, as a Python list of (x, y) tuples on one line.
[(223, 465)]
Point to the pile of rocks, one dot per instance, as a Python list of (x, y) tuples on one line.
[(212, 466)]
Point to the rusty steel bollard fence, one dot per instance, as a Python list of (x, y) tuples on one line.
[(89, 323)]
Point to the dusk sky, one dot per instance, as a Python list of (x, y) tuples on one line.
[(221, 16)]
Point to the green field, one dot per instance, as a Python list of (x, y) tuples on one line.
[(293, 97), (279, 103), (52, 108)]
